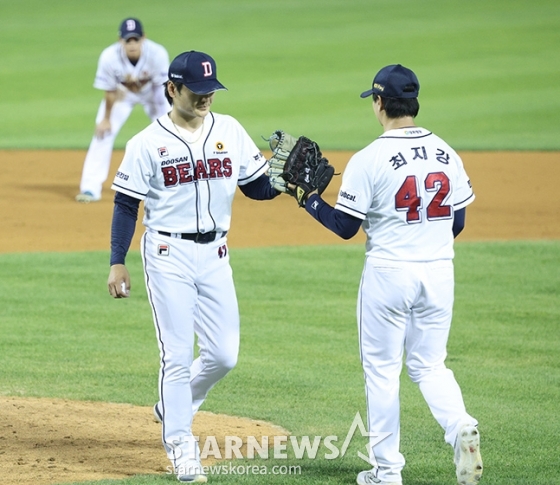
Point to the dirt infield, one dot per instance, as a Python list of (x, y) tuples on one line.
[(44, 441), (517, 197)]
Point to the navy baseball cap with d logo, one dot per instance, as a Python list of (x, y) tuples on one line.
[(131, 27), (394, 81), (197, 71)]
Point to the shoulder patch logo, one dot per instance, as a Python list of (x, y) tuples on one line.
[(163, 152), (349, 196)]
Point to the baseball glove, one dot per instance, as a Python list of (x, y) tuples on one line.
[(300, 163)]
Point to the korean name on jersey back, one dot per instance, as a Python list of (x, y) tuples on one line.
[(399, 159)]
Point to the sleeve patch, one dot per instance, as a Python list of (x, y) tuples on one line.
[(348, 195)]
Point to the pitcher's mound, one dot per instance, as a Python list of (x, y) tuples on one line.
[(45, 441)]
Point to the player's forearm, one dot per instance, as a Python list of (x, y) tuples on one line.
[(259, 189), (110, 98), (342, 224), (125, 214)]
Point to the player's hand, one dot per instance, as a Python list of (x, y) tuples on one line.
[(119, 281), (293, 188), (103, 128)]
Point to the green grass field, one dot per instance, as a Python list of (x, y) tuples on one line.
[(299, 364), (489, 71), (490, 77)]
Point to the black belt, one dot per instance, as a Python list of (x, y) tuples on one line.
[(198, 237)]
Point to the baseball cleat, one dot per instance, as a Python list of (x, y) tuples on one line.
[(467, 456), (191, 472), (158, 418), (368, 478), (86, 198)]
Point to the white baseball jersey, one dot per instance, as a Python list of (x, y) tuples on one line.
[(135, 84), (188, 181), (189, 187), (116, 72), (406, 186)]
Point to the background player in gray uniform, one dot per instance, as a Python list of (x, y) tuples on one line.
[(408, 190), (130, 72), (186, 167)]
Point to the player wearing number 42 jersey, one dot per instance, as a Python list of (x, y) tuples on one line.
[(408, 190)]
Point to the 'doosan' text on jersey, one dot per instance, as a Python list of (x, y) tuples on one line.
[(406, 186), (190, 185)]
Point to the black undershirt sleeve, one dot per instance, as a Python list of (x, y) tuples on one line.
[(125, 214), (347, 226), (259, 189), (459, 221), (342, 224)]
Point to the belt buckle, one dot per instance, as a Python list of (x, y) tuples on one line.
[(205, 237)]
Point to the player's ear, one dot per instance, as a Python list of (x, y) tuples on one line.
[(171, 89)]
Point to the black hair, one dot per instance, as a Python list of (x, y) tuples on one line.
[(178, 86), (399, 107)]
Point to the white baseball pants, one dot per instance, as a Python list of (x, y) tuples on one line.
[(191, 290), (405, 309)]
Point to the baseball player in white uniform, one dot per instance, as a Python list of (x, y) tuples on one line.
[(186, 167), (408, 190), (130, 72)]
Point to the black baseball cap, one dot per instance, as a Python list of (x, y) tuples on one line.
[(197, 71), (131, 27), (394, 81)]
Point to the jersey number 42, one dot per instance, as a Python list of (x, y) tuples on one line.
[(408, 199)]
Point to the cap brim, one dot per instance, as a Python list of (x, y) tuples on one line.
[(132, 35), (365, 94), (205, 87)]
